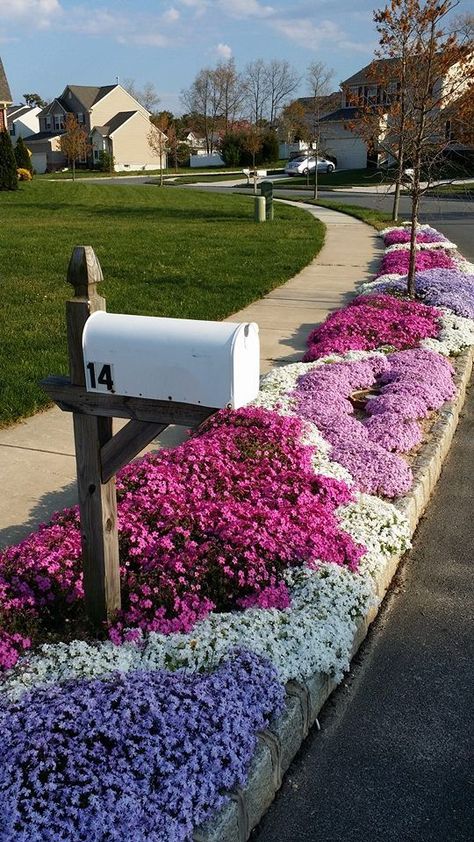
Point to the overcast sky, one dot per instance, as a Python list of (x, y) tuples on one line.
[(46, 44)]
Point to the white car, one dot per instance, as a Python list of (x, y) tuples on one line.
[(307, 163)]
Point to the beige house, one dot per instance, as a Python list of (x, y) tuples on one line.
[(116, 123), (5, 98)]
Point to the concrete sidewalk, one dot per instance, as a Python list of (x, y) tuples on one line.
[(37, 463)]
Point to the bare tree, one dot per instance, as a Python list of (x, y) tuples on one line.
[(282, 81), (74, 143), (319, 77), (463, 27), (232, 91), (205, 98), (257, 90), (157, 139), (146, 96)]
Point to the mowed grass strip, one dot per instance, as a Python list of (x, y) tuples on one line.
[(175, 253)]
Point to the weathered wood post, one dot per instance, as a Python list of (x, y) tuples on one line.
[(97, 499)]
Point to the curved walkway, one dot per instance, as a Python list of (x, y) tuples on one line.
[(37, 461)]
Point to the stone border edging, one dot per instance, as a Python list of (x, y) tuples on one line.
[(278, 746)]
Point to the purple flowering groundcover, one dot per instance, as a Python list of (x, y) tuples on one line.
[(411, 383), (438, 288), (145, 756)]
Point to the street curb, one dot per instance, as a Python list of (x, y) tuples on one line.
[(278, 745)]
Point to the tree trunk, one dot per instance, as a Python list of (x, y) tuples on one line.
[(411, 279), (73, 169), (315, 191)]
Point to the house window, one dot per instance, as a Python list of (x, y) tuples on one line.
[(47, 124), (12, 129), (353, 97), (371, 94), (96, 154), (58, 122), (80, 118)]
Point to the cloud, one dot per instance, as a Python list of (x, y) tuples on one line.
[(199, 6), (171, 15), (245, 9), (224, 51), (323, 34), (40, 14), (136, 29)]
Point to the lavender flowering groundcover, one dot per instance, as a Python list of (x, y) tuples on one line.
[(144, 756)]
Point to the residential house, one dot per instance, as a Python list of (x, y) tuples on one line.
[(22, 121), (5, 98), (339, 128), (115, 122)]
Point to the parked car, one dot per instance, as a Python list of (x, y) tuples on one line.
[(307, 163)]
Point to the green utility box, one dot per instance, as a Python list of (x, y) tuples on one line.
[(266, 189)]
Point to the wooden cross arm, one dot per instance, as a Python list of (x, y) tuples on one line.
[(72, 398)]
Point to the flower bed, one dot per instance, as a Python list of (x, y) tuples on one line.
[(142, 756), (369, 322), (258, 534), (397, 262), (401, 235), (436, 287)]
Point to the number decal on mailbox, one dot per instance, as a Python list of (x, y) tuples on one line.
[(100, 377)]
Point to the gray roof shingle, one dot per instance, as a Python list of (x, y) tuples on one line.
[(368, 73), (88, 95), (5, 93)]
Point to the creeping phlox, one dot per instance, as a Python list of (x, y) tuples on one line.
[(371, 321), (397, 262), (210, 525), (445, 288), (248, 554), (147, 755)]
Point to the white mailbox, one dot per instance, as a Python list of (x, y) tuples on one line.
[(214, 364)]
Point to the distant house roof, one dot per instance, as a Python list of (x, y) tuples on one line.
[(51, 107), (5, 93), (118, 120), (368, 73), (341, 115), (324, 104), (43, 136), (15, 111), (88, 95)]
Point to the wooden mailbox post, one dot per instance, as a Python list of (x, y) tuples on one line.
[(99, 453)]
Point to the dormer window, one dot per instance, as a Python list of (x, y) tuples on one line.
[(80, 118), (58, 122), (47, 123)]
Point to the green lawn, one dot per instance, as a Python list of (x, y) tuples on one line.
[(377, 219), (163, 252)]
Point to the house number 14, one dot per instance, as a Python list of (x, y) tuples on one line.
[(100, 374)]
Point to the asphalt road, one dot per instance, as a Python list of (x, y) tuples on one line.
[(393, 761)]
